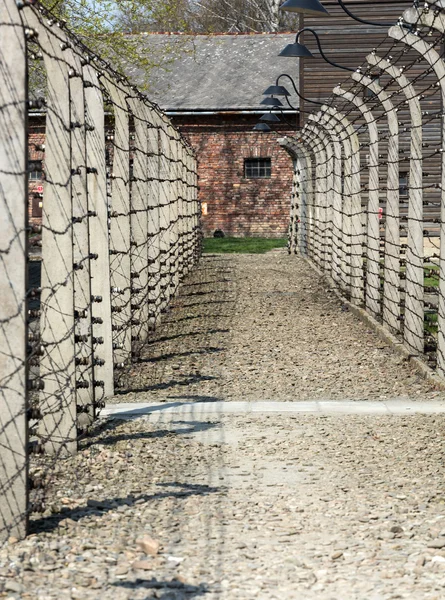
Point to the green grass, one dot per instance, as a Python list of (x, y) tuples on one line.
[(245, 245)]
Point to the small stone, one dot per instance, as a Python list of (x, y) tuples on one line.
[(12, 540), (337, 555), (396, 529), (14, 586), (420, 562), (122, 569), (148, 545), (437, 544), (142, 565)]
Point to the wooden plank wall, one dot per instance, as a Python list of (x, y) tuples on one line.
[(348, 42)]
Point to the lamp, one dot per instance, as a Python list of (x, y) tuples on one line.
[(300, 51), (271, 102), (270, 117), (264, 127), (282, 91), (276, 90), (316, 9)]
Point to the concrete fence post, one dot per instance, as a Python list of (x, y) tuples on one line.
[(319, 183), (434, 20), (13, 278), (326, 209), (413, 330), (84, 364), (154, 232), (139, 280), (351, 218), (165, 212), (372, 291), (391, 288), (120, 248), (98, 234), (337, 195), (57, 429)]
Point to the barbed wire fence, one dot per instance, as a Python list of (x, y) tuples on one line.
[(369, 191), (120, 228)]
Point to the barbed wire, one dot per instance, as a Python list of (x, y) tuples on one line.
[(97, 231), (370, 180)]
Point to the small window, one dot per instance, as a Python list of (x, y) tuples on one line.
[(255, 168), (35, 170), (403, 184), (369, 93)]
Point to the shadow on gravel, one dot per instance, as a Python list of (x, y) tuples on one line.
[(201, 283), (168, 356), (185, 305), (100, 508), (191, 317), (167, 384), (195, 398), (181, 590), (181, 335), (193, 427)]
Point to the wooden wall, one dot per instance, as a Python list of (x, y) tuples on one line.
[(348, 42)]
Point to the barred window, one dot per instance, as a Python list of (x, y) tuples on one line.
[(255, 168), (35, 170)]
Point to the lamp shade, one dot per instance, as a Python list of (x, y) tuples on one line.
[(305, 7), (296, 50), (271, 102), (276, 90), (262, 127), (270, 117)]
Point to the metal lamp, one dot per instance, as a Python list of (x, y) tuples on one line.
[(264, 127), (305, 7), (298, 50), (276, 90), (315, 8), (271, 102), (270, 117)]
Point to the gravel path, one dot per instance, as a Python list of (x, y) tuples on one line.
[(265, 327), (247, 507)]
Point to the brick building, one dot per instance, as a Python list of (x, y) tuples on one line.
[(212, 92)]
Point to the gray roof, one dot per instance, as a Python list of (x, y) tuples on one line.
[(216, 72)]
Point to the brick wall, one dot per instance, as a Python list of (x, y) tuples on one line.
[(239, 206), (235, 204), (36, 141)]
